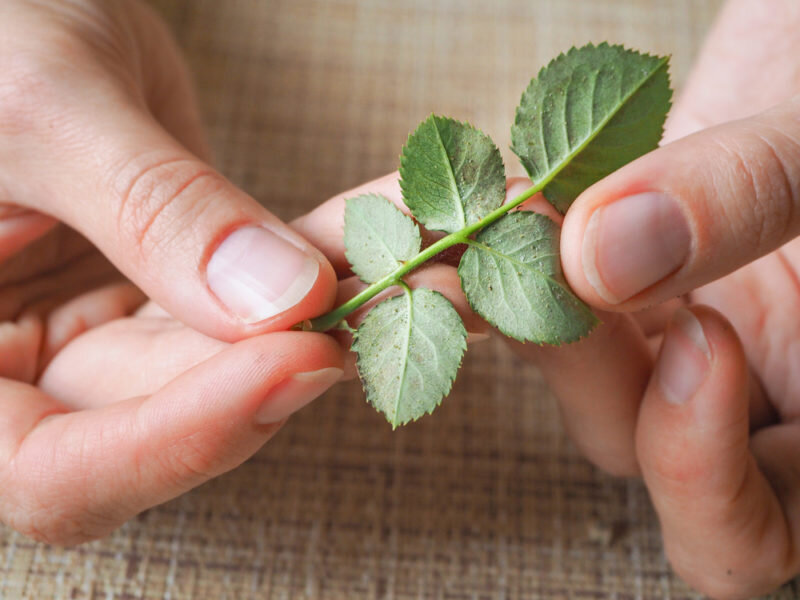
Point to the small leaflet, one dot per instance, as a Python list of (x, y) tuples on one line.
[(409, 350), (452, 174), (511, 275), (378, 237), (588, 113)]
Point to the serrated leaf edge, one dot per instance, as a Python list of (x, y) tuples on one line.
[(400, 212), (663, 62), (395, 424), (595, 320), (467, 124)]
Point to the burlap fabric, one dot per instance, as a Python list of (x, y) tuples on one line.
[(486, 499)]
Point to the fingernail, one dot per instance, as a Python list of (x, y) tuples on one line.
[(633, 243), (685, 358), (258, 274), (294, 393)]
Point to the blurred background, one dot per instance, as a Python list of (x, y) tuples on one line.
[(308, 98), (487, 498)]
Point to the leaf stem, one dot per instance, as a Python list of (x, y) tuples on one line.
[(334, 317)]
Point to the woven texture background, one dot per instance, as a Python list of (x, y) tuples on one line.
[(486, 499)]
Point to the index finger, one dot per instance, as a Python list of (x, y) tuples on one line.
[(67, 477)]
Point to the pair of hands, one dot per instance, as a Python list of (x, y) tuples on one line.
[(109, 405)]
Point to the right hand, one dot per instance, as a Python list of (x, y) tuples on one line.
[(712, 422)]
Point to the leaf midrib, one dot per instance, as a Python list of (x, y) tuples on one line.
[(330, 319), (405, 357), (459, 207), (513, 260), (381, 241), (547, 177)]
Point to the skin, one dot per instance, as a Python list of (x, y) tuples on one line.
[(124, 382), (77, 459), (108, 404), (721, 468)]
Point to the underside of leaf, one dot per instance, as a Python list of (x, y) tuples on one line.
[(588, 113), (378, 237), (511, 275), (408, 351), (452, 174)]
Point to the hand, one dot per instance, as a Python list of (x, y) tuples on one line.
[(711, 422), (106, 410)]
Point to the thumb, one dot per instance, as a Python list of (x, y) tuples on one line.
[(724, 530), (192, 241), (687, 213)]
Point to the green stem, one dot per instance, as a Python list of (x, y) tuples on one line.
[(331, 319)]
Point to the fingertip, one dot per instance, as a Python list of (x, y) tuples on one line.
[(322, 295), (620, 242), (729, 362), (269, 278), (687, 213), (702, 359), (295, 392), (692, 435), (577, 237), (724, 531), (221, 411), (578, 240)]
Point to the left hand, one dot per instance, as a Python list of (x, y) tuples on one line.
[(106, 410)]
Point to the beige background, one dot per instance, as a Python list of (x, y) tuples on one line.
[(486, 499)]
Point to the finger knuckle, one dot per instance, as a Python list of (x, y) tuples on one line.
[(55, 529), (40, 75), (673, 468), (158, 200), (47, 516), (720, 586), (761, 171), (51, 502), (717, 588), (729, 572), (191, 462)]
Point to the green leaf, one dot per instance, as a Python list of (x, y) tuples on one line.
[(511, 275), (452, 174), (409, 349), (588, 113), (378, 237)]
